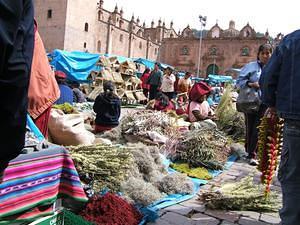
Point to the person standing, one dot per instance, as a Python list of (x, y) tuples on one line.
[(184, 86), (185, 83), (249, 76), (280, 84), (154, 80), (167, 86), (16, 50), (144, 79)]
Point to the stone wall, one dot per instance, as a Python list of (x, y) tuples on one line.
[(80, 13), (183, 53), (52, 30)]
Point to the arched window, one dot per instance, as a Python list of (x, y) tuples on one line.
[(212, 69), (141, 45), (86, 27), (121, 38), (185, 50), (245, 51), (99, 46), (155, 51), (84, 45)]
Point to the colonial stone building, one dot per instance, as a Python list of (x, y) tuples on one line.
[(220, 49), (85, 25)]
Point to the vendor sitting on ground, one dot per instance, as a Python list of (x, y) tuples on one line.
[(107, 107), (200, 110), (162, 103), (66, 93), (78, 96)]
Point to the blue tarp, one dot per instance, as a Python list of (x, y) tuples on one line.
[(121, 59), (219, 78), (76, 65), (150, 64), (34, 129), (146, 62)]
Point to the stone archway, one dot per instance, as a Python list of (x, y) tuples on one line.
[(212, 69)]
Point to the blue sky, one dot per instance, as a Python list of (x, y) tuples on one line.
[(276, 16)]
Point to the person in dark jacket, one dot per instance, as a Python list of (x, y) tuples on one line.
[(154, 80), (280, 82), (107, 107), (16, 50), (66, 93), (78, 96)]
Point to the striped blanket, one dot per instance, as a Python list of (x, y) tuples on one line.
[(33, 182)]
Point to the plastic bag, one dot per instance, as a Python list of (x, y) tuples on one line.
[(69, 129), (248, 100)]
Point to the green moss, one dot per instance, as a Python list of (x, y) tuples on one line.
[(67, 108), (198, 172)]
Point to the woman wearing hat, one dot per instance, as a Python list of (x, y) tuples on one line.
[(107, 107), (66, 93), (199, 108)]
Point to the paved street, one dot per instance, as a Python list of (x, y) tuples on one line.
[(193, 213)]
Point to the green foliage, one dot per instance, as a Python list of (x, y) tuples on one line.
[(242, 196)]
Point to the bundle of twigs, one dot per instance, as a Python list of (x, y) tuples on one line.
[(140, 122), (230, 120), (204, 147), (148, 179), (243, 196), (106, 165)]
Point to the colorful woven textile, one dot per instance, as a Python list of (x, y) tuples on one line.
[(38, 179)]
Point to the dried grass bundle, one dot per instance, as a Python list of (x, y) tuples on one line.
[(107, 165), (115, 135), (230, 120), (148, 161), (140, 122), (242, 196), (141, 192), (176, 183), (203, 148)]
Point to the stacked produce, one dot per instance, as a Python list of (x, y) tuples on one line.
[(230, 121), (203, 148), (243, 195), (110, 209), (269, 148), (148, 180), (106, 165)]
